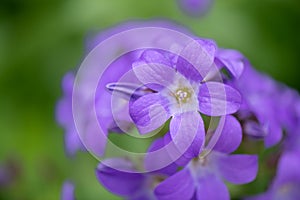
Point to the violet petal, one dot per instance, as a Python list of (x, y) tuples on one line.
[(217, 99)]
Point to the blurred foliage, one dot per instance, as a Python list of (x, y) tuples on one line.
[(42, 40)]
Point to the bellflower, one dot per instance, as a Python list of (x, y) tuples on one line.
[(287, 181), (181, 92), (289, 101), (261, 93), (203, 177), (148, 88)]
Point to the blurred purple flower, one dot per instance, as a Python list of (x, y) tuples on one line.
[(180, 94), (259, 111), (64, 116), (195, 7), (94, 141), (289, 109), (68, 191), (286, 184)]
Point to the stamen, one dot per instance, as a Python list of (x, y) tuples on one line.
[(183, 95)]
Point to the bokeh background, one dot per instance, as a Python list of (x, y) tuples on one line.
[(41, 40)]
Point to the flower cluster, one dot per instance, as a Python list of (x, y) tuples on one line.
[(205, 103)]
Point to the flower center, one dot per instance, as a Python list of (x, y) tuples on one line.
[(183, 95)]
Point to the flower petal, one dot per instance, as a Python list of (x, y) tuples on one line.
[(64, 107), (211, 187), (217, 99), (154, 73), (254, 129), (263, 196), (238, 169), (94, 138), (232, 60), (123, 183), (177, 187), (188, 70), (156, 56), (200, 56), (154, 161), (72, 142), (288, 169), (231, 136), (187, 133), (274, 134), (149, 112)]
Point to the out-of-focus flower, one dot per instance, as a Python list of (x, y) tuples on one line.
[(195, 7), (286, 184), (259, 111), (103, 106), (64, 116), (67, 192), (289, 115)]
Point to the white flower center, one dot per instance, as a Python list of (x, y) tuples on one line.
[(182, 95)]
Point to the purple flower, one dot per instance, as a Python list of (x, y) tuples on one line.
[(203, 177), (64, 116), (289, 109), (121, 177), (92, 139), (67, 191), (180, 92), (259, 91), (287, 181), (195, 7), (116, 119)]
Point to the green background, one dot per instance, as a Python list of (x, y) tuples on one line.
[(41, 40)]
